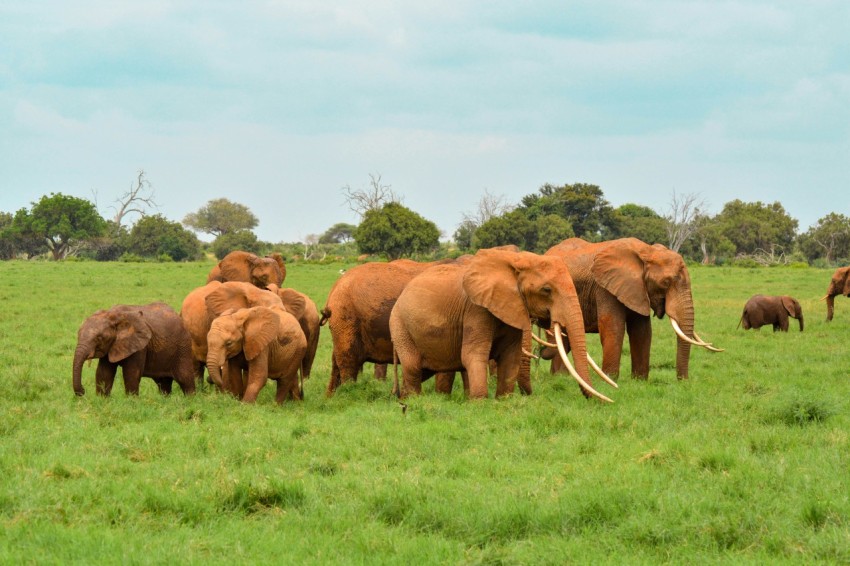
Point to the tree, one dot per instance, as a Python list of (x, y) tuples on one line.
[(339, 233), (584, 205), (755, 226), (488, 207), (244, 240), (395, 231), (64, 222), (7, 242), (361, 201), (512, 228), (136, 200), (155, 236), (220, 216), (681, 219), (641, 222), (550, 230), (828, 238)]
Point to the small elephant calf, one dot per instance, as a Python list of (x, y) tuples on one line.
[(763, 309), (144, 340)]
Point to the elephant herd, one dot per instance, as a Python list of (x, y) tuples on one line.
[(476, 315), (242, 326)]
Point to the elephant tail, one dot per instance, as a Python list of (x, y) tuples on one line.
[(396, 387), (740, 320), (326, 314)]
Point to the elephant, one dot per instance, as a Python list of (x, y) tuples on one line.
[(839, 285), (197, 313), (297, 302), (267, 343), (621, 283), (457, 317), (775, 310), (247, 267), (144, 340), (358, 313)]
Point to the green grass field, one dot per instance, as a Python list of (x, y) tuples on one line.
[(747, 462)]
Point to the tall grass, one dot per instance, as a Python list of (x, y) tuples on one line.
[(746, 462)]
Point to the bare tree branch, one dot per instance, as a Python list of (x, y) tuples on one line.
[(136, 200), (681, 218), (360, 201), (489, 206)]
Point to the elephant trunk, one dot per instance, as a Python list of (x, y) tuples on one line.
[(800, 318), (81, 354), (830, 307), (685, 319), (214, 363)]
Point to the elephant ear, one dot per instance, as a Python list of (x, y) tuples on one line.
[(132, 334), (846, 274), (490, 281), (294, 302), (238, 269), (789, 305), (226, 297), (260, 329), (620, 272)]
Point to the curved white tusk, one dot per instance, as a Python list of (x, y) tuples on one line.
[(584, 385), (529, 354), (601, 373), (824, 297), (542, 341), (682, 335), (708, 345)]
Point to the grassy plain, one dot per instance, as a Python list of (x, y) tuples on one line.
[(746, 462)]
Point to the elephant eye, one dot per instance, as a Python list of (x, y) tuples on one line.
[(546, 290)]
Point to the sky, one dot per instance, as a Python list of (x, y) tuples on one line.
[(278, 105)]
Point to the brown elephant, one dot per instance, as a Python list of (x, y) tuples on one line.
[(144, 340), (764, 309), (247, 267), (266, 343), (839, 285), (459, 316), (358, 313), (307, 313), (198, 314), (620, 284)]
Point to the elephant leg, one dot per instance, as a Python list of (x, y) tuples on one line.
[(612, 329), (783, 323), (507, 371), (381, 372), (234, 381), (164, 384), (258, 375), (334, 381), (475, 358), (105, 377), (444, 382), (131, 369), (640, 342)]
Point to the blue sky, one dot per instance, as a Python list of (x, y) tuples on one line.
[(279, 104)]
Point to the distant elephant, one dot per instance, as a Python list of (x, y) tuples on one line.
[(247, 267), (307, 313), (145, 341), (839, 285), (620, 284), (459, 316), (267, 343), (358, 313), (198, 314), (761, 310)]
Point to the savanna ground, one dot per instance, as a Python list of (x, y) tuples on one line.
[(747, 462)]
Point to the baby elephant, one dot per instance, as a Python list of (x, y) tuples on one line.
[(146, 341), (775, 310)]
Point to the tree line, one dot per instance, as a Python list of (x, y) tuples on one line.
[(744, 233)]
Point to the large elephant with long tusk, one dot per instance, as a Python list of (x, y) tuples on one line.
[(460, 316), (620, 284)]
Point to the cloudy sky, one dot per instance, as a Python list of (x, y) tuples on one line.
[(279, 104)]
